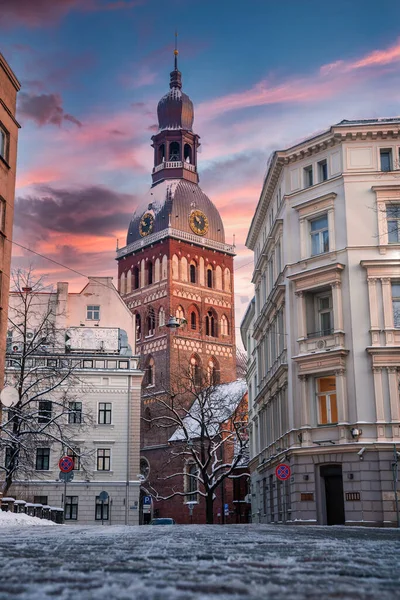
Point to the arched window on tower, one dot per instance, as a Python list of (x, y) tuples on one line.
[(192, 272), (193, 320), (179, 313), (161, 317), (122, 284), (129, 282), (161, 153), (150, 372), (157, 266), (209, 276), (184, 269), (192, 483), (175, 267), (218, 277), (227, 280), (187, 153), (195, 370), (138, 326), (149, 272), (211, 324), (136, 280), (213, 372), (174, 152), (151, 321), (224, 325)]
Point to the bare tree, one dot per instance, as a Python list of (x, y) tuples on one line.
[(46, 381), (208, 436)]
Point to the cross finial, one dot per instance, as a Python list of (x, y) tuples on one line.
[(176, 51)]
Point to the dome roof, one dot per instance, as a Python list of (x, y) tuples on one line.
[(175, 110), (171, 202)]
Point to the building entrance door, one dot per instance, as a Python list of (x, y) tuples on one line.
[(333, 481)]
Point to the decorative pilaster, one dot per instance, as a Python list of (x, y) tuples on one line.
[(387, 303), (341, 396), (303, 238), (393, 393), (301, 315), (331, 229), (380, 410), (305, 407), (336, 287)]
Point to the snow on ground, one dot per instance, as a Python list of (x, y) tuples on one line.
[(9, 519), (233, 562)]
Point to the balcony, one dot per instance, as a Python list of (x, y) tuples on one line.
[(175, 164), (321, 341)]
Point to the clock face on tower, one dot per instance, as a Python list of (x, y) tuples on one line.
[(146, 224), (198, 222)]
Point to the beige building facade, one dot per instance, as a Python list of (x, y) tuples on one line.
[(9, 87), (326, 238), (95, 331)]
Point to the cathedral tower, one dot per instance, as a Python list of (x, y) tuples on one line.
[(176, 263)]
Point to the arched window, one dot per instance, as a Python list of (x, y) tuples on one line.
[(193, 320), (122, 284), (192, 485), (161, 153), (138, 326), (179, 313), (209, 276), (129, 282), (136, 281), (161, 317), (174, 152), (192, 272), (195, 370), (227, 280), (175, 267), (187, 153), (211, 324), (224, 325), (184, 269), (151, 322), (164, 267), (218, 277), (150, 372), (157, 270), (213, 372), (149, 272)]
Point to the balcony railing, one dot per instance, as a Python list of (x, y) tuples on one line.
[(174, 164)]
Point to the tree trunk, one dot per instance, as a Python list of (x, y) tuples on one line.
[(209, 509)]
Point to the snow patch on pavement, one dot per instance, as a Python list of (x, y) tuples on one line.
[(9, 519)]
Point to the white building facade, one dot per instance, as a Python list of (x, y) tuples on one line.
[(95, 332), (326, 239)]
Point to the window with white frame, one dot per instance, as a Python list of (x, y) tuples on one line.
[(326, 400), (322, 170), (3, 143), (103, 459), (386, 159), (319, 232), (393, 223), (324, 313), (308, 176), (93, 312), (396, 304)]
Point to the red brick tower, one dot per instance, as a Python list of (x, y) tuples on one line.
[(176, 263)]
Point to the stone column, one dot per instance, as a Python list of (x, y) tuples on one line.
[(393, 393), (331, 229), (301, 315), (373, 311), (304, 252), (380, 412), (305, 405), (337, 306), (341, 396)]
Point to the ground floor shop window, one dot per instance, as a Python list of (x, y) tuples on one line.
[(102, 510)]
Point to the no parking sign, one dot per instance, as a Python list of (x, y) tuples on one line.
[(282, 472)]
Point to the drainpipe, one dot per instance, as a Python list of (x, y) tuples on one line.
[(128, 448)]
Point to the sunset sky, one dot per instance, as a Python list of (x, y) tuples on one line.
[(262, 74)]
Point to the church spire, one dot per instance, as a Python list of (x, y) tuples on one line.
[(176, 75)]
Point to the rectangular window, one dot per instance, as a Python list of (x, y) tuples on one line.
[(75, 455), (396, 304), (93, 313), (3, 142), (386, 160), (71, 508), (103, 459), (102, 511), (45, 410), (2, 213), (319, 235), (75, 412), (326, 400), (42, 459), (322, 170), (104, 413), (40, 500), (393, 223), (308, 176), (324, 310)]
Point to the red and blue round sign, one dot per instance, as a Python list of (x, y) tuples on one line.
[(282, 472), (66, 464)]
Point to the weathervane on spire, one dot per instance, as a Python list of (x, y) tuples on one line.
[(175, 81)]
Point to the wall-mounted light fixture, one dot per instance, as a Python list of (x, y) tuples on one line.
[(306, 477), (355, 432)]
